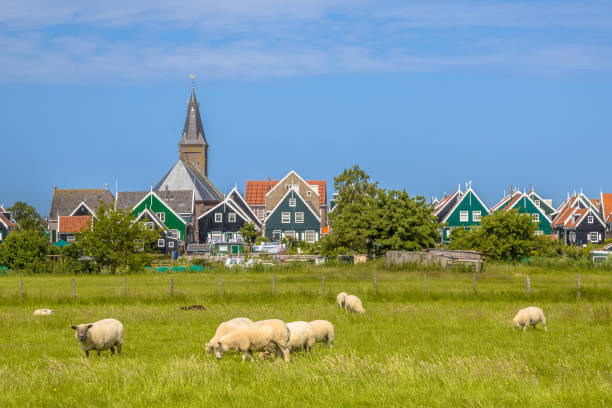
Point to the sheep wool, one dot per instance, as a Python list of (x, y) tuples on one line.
[(225, 328), (301, 336), (341, 299), (529, 316), (324, 332), (353, 304), (101, 335), (43, 312), (258, 336)]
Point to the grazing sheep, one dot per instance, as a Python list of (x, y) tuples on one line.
[(353, 304), (341, 299), (225, 328), (324, 332), (258, 336), (43, 312), (101, 335), (529, 316), (301, 336)]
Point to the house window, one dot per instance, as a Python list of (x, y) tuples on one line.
[(1, 236), (463, 216), (286, 217), (309, 193), (231, 217), (310, 236), (290, 234), (218, 217), (175, 233), (260, 213), (476, 215), (161, 216), (593, 236), (216, 236), (70, 238), (539, 232), (572, 236), (535, 217), (292, 202), (590, 219), (170, 244), (448, 232), (149, 225), (161, 243), (537, 202), (299, 217)]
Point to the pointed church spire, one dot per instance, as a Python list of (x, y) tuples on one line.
[(193, 147)]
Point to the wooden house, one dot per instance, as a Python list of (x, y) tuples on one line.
[(293, 216), (69, 226), (578, 221), (7, 223), (606, 212), (526, 205), (461, 209), (168, 241)]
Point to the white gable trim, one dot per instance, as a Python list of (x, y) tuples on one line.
[(161, 201), (3, 223), (541, 211), (469, 190), (584, 217), (292, 190), (244, 201), (542, 201), (153, 218), (299, 177), (92, 212), (445, 203)]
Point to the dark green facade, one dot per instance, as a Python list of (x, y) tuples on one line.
[(156, 205), (308, 230), (469, 205), (526, 206)]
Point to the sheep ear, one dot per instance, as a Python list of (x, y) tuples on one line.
[(73, 327), (89, 326)]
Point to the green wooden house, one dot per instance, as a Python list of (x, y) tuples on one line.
[(164, 213), (294, 217), (461, 209), (544, 204), (525, 205)]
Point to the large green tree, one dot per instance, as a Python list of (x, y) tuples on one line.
[(115, 241), (502, 236), (26, 215), (248, 232), (24, 250)]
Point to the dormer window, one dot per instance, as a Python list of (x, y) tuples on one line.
[(590, 219)]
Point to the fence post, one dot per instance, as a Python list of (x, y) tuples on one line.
[(273, 285), (474, 281), (124, 285), (375, 284), (322, 285), (20, 288), (171, 286), (425, 283), (578, 286), (528, 286), (73, 289), (219, 284)]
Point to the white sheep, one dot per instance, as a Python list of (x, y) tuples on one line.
[(529, 316), (225, 328), (258, 336), (43, 312), (324, 332), (101, 335), (341, 299), (301, 336), (353, 304)]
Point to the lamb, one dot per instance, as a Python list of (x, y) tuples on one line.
[(324, 332), (258, 336), (101, 335), (529, 316), (43, 312), (225, 328), (353, 304), (341, 299), (301, 336)]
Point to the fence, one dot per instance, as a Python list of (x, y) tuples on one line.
[(440, 257)]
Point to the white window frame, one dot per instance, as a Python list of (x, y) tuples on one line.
[(535, 217), (292, 202), (170, 244), (161, 216), (149, 225), (261, 213), (476, 216), (310, 236), (69, 238), (591, 236), (231, 217), (216, 235), (161, 243), (539, 232), (175, 233), (464, 216), (309, 193), (590, 219), (218, 217), (299, 217), (290, 233), (537, 202), (448, 232), (286, 217)]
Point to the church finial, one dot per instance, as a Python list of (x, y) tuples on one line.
[(192, 81)]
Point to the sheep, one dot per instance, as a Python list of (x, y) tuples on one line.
[(529, 316), (101, 335), (43, 312), (341, 299), (324, 332), (261, 335), (353, 304), (225, 328), (301, 336)]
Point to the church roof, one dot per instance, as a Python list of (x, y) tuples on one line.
[(193, 131), (183, 176)]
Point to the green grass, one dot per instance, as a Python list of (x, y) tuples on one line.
[(447, 347)]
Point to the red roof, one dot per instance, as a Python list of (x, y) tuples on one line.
[(256, 190), (75, 223), (7, 222), (606, 204)]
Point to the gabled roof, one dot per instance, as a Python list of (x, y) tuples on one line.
[(576, 201), (180, 201), (606, 206), (151, 217), (66, 200), (571, 217), (446, 200), (544, 204), (523, 197), (505, 200), (83, 204), (237, 198), (73, 223), (193, 131), (7, 219), (460, 200), (294, 193), (156, 195), (183, 176), (256, 190)]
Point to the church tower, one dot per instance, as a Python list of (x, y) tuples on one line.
[(193, 147)]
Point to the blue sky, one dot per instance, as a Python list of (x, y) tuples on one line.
[(422, 95)]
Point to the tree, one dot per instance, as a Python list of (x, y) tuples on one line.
[(502, 236), (116, 241), (26, 215), (24, 250), (248, 232)]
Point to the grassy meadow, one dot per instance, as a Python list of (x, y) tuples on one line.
[(444, 346)]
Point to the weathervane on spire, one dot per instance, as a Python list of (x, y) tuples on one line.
[(192, 80)]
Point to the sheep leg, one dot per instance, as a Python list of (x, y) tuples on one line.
[(118, 348), (86, 353), (112, 349), (525, 327), (99, 351), (244, 355), (251, 355), (544, 326), (286, 355)]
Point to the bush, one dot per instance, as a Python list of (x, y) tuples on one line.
[(25, 250)]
